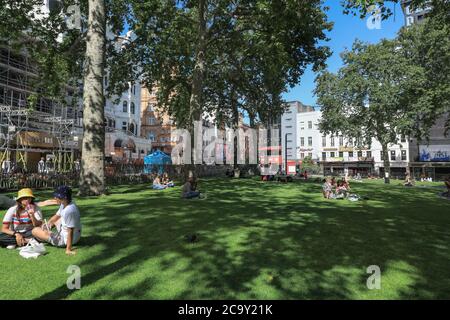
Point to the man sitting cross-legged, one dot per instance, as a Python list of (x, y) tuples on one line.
[(66, 220)]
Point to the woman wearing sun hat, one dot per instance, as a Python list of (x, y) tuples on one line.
[(20, 220)]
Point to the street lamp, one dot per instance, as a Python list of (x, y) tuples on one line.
[(285, 153)]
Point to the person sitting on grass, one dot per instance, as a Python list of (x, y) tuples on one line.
[(157, 185), (408, 181), (326, 188), (66, 220), (447, 184), (189, 189), (333, 182), (19, 220), (166, 181), (341, 189), (346, 184)]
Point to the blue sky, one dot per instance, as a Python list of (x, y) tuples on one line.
[(347, 28)]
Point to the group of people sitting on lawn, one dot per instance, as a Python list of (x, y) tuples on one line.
[(23, 223), (188, 191), (333, 189), (162, 182)]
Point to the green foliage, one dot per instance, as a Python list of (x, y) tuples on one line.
[(250, 51)]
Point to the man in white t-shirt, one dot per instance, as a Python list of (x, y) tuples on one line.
[(66, 220)]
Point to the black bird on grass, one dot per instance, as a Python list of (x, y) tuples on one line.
[(192, 238)]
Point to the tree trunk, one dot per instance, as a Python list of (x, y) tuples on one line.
[(92, 176), (386, 163), (234, 107), (195, 103)]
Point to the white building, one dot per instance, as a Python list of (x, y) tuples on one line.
[(336, 154)]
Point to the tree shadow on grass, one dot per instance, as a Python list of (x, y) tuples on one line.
[(265, 241)]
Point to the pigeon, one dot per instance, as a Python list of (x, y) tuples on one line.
[(191, 238)]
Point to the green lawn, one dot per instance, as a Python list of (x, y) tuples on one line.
[(257, 240)]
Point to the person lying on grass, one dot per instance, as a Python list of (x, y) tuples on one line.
[(19, 220), (66, 220)]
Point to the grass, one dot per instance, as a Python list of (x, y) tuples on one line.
[(257, 240)]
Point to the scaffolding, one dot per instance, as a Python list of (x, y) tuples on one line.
[(38, 125)]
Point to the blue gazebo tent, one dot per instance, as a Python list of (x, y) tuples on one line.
[(155, 162)]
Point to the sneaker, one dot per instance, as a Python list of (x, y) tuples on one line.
[(34, 247), (11, 247)]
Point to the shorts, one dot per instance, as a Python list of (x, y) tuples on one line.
[(56, 239)]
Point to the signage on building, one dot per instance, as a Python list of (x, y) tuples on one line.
[(337, 159), (345, 149), (37, 139), (435, 153), (306, 149), (330, 149)]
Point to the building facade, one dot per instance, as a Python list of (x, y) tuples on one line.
[(414, 15), (337, 154), (428, 158)]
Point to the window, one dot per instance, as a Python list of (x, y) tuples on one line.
[(359, 154), (403, 138), (324, 156), (409, 21), (289, 119), (332, 154), (392, 155), (310, 141), (124, 126), (302, 155), (369, 154), (302, 141), (382, 155), (106, 81), (151, 136), (341, 154), (132, 127), (350, 141), (332, 141), (302, 125), (310, 154), (403, 155), (309, 124), (125, 106), (151, 121), (132, 108), (324, 141), (350, 154), (341, 141), (288, 127)]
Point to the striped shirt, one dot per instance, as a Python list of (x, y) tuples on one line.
[(23, 222)]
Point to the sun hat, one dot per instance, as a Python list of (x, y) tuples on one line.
[(63, 192), (25, 193)]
